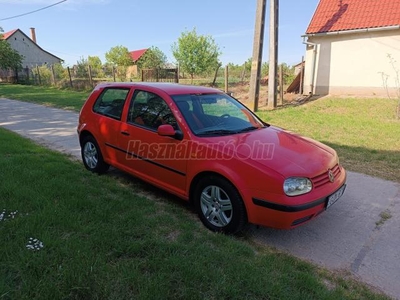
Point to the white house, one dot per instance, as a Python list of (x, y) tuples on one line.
[(353, 48), (33, 54)]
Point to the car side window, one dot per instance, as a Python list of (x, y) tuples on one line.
[(150, 110), (111, 102)]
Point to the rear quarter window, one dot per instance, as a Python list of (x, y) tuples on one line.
[(111, 102)]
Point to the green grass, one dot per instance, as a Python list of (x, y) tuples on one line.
[(364, 132), (49, 96), (103, 241)]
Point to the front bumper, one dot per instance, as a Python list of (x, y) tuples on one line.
[(290, 216)]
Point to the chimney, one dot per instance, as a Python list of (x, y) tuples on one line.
[(33, 35)]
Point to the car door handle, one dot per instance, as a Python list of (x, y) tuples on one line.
[(125, 133)]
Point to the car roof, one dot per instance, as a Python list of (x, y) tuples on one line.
[(169, 88)]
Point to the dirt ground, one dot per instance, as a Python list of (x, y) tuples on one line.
[(241, 92)]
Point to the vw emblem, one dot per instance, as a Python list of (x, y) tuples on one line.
[(331, 176)]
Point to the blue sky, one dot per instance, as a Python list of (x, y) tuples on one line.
[(78, 28)]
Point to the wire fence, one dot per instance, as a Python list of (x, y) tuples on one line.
[(80, 77), (85, 77)]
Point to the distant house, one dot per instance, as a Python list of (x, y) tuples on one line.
[(135, 55), (348, 43), (33, 54)]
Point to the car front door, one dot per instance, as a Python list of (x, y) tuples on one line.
[(155, 158)]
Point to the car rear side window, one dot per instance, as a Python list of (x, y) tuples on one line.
[(111, 102)]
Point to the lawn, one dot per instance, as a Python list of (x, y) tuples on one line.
[(364, 132), (66, 233), (50, 96)]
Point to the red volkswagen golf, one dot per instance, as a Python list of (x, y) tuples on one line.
[(207, 148)]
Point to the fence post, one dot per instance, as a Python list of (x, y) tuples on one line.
[(177, 75), (142, 71), (53, 74), (37, 69), (69, 75), (281, 85), (301, 76), (90, 75), (226, 79), (27, 74), (16, 75)]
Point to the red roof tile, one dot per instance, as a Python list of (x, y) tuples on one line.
[(339, 15), (137, 54), (6, 35)]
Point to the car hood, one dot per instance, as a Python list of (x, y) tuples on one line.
[(280, 150)]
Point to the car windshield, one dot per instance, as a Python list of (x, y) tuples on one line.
[(216, 114)]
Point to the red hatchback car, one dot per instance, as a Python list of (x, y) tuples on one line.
[(207, 148)]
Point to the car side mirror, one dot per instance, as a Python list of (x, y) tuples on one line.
[(168, 130)]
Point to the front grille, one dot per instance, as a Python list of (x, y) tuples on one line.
[(323, 178)]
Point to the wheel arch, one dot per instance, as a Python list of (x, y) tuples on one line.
[(204, 174), (83, 134)]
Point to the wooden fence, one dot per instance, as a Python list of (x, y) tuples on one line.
[(160, 75)]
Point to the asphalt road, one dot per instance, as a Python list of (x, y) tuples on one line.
[(345, 238)]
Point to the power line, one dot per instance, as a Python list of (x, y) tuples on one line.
[(31, 12)]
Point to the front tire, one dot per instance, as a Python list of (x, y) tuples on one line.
[(92, 157), (219, 205)]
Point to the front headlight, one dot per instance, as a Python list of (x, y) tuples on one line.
[(295, 186)]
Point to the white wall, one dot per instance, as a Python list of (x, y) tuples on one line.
[(353, 64), (33, 55)]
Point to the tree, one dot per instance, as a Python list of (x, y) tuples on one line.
[(153, 58), (288, 73), (9, 58), (94, 62), (196, 54), (96, 66), (265, 69), (119, 56), (81, 68)]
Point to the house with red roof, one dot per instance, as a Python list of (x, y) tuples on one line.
[(353, 48), (137, 54), (132, 71), (33, 54)]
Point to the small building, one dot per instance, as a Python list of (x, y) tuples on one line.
[(135, 55), (353, 48), (33, 54)]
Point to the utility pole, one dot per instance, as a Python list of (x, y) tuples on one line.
[(257, 53), (273, 53)]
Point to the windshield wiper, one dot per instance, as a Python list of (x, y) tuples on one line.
[(250, 128), (217, 132)]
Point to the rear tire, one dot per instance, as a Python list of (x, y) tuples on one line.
[(219, 205), (92, 157)]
